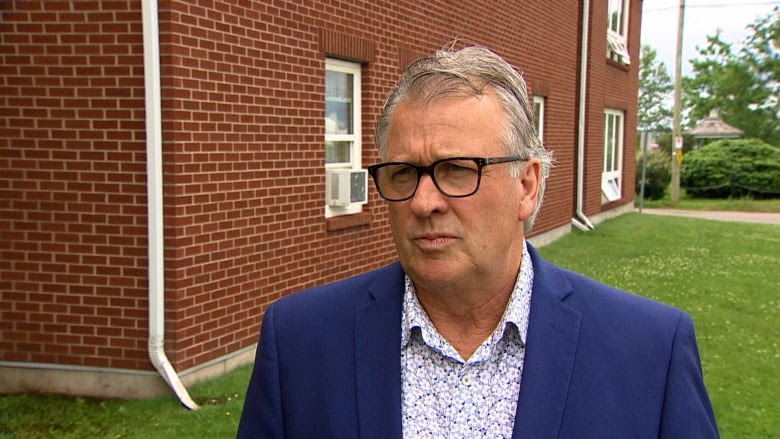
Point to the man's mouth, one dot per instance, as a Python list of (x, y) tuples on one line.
[(433, 242)]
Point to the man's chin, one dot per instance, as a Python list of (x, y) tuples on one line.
[(433, 273)]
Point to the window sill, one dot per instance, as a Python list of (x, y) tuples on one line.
[(618, 64), (347, 221)]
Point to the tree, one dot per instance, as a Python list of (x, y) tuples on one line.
[(743, 84), (655, 87)]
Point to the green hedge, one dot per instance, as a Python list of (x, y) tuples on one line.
[(658, 174), (732, 168)]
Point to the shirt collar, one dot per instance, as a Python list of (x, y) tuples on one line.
[(414, 316)]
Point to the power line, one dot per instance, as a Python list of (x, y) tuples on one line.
[(713, 5)]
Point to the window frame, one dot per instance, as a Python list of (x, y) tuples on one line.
[(612, 160), (539, 115), (355, 138), (617, 31)]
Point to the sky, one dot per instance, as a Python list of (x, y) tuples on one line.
[(702, 18)]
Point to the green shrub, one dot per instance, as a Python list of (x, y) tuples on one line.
[(658, 174), (732, 168)]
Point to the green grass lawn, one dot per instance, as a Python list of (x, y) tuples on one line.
[(687, 202), (37, 416), (724, 274)]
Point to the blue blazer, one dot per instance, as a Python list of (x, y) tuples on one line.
[(599, 363)]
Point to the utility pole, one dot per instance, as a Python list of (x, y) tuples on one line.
[(677, 134)]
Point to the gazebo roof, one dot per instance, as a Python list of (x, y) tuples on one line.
[(713, 127)]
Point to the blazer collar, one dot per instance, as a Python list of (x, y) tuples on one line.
[(553, 334), (377, 364)]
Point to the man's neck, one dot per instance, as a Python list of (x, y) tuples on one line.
[(466, 320)]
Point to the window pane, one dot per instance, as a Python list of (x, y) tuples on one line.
[(611, 189), (609, 144), (615, 10), (338, 103), (537, 110), (337, 152), (537, 118), (616, 142)]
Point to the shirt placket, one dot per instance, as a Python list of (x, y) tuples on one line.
[(460, 380)]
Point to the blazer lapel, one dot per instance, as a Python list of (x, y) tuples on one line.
[(551, 346), (378, 357)]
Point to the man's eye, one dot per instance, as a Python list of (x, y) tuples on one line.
[(404, 173)]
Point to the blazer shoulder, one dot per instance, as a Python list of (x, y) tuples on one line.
[(594, 300)]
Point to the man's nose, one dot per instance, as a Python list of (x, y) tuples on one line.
[(428, 199)]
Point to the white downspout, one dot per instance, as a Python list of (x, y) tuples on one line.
[(155, 204), (580, 220)]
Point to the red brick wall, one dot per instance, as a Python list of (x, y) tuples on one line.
[(243, 135), (72, 176)]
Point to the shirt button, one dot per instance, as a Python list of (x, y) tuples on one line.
[(465, 380)]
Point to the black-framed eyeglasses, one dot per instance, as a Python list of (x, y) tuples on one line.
[(455, 177)]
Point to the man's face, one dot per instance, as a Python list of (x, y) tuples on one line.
[(461, 242)]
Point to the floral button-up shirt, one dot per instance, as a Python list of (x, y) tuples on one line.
[(445, 396)]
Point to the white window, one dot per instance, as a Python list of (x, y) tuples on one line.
[(345, 182), (611, 173), (539, 116), (617, 32)]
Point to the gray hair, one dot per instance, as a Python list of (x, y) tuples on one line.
[(472, 70)]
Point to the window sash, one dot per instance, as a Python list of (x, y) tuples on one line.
[(611, 176), (613, 140), (539, 109), (611, 188), (617, 19), (617, 49), (339, 102), (342, 114)]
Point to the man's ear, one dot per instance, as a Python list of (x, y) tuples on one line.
[(530, 180)]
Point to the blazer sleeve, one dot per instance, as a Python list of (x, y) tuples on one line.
[(687, 410), (262, 414)]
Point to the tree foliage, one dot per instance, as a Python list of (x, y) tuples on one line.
[(655, 87), (743, 83)]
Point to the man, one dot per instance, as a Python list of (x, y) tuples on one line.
[(472, 334)]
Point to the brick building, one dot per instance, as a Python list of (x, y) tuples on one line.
[(161, 202)]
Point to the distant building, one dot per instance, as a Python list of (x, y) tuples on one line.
[(713, 127), (152, 207)]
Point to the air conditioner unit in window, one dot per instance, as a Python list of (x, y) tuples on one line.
[(346, 186)]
